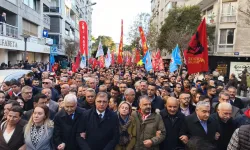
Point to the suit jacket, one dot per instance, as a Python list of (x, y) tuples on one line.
[(238, 103), (191, 109), (192, 127), (17, 138), (101, 134), (157, 103), (45, 143), (172, 140), (53, 105), (65, 129), (27, 114)]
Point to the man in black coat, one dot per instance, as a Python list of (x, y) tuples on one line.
[(186, 107), (199, 124), (99, 127), (156, 102), (226, 124), (235, 101), (66, 122), (39, 99), (173, 120)]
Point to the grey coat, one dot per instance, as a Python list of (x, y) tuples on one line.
[(44, 144)]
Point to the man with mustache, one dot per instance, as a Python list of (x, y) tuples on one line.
[(150, 127)]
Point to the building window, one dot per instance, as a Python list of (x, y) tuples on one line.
[(30, 28), (67, 12), (30, 3), (227, 36), (66, 32), (229, 9)]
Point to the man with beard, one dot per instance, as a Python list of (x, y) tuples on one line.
[(173, 120), (177, 90), (211, 92), (186, 107), (147, 125), (186, 85), (235, 101)]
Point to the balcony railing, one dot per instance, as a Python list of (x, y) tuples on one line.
[(46, 20), (53, 10), (225, 48), (8, 30), (229, 17)]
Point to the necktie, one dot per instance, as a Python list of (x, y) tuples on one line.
[(100, 116), (204, 125)]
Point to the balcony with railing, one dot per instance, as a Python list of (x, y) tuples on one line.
[(8, 30), (52, 11), (46, 21), (225, 48), (228, 17)]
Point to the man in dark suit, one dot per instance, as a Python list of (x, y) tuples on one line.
[(99, 127), (39, 99), (3, 17), (226, 124), (173, 120), (66, 122), (156, 102), (199, 124), (186, 107), (235, 101)]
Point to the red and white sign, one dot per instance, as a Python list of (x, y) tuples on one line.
[(83, 31)]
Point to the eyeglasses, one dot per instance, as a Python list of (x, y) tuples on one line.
[(45, 82)]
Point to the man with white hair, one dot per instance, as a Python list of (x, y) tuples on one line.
[(200, 124), (129, 95), (66, 122), (226, 124)]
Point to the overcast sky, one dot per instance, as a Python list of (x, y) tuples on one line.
[(107, 15)]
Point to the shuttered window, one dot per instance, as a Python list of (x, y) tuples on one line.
[(30, 28)]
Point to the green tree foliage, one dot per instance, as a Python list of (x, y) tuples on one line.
[(71, 48), (107, 42), (182, 23), (152, 36)]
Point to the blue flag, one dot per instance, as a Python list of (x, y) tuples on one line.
[(176, 55), (173, 66), (147, 61), (52, 61)]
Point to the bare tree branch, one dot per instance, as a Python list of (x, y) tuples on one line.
[(71, 48)]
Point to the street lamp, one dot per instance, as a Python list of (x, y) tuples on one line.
[(25, 37)]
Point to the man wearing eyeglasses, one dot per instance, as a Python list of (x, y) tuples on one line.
[(27, 94), (185, 106), (99, 128), (47, 83)]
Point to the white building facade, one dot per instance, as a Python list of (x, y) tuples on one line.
[(65, 16)]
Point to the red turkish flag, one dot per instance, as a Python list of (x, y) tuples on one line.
[(119, 58), (83, 39)]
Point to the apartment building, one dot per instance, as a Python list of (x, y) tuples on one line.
[(64, 20), (23, 17), (231, 47), (231, 26), (31, 18)]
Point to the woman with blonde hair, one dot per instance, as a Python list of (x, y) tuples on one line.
[(127, 127), (39, 130)]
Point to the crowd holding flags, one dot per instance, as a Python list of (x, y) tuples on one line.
[(196, 56)]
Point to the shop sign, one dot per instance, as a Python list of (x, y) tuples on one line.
[(237, 68), (8, 43), (236, 53)]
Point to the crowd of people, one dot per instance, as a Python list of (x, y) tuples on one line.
[(122, 108)]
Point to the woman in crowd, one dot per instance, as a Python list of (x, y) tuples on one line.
[(127, 127), (6, 87), (2, 103), (11, 132), (39, 130)]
